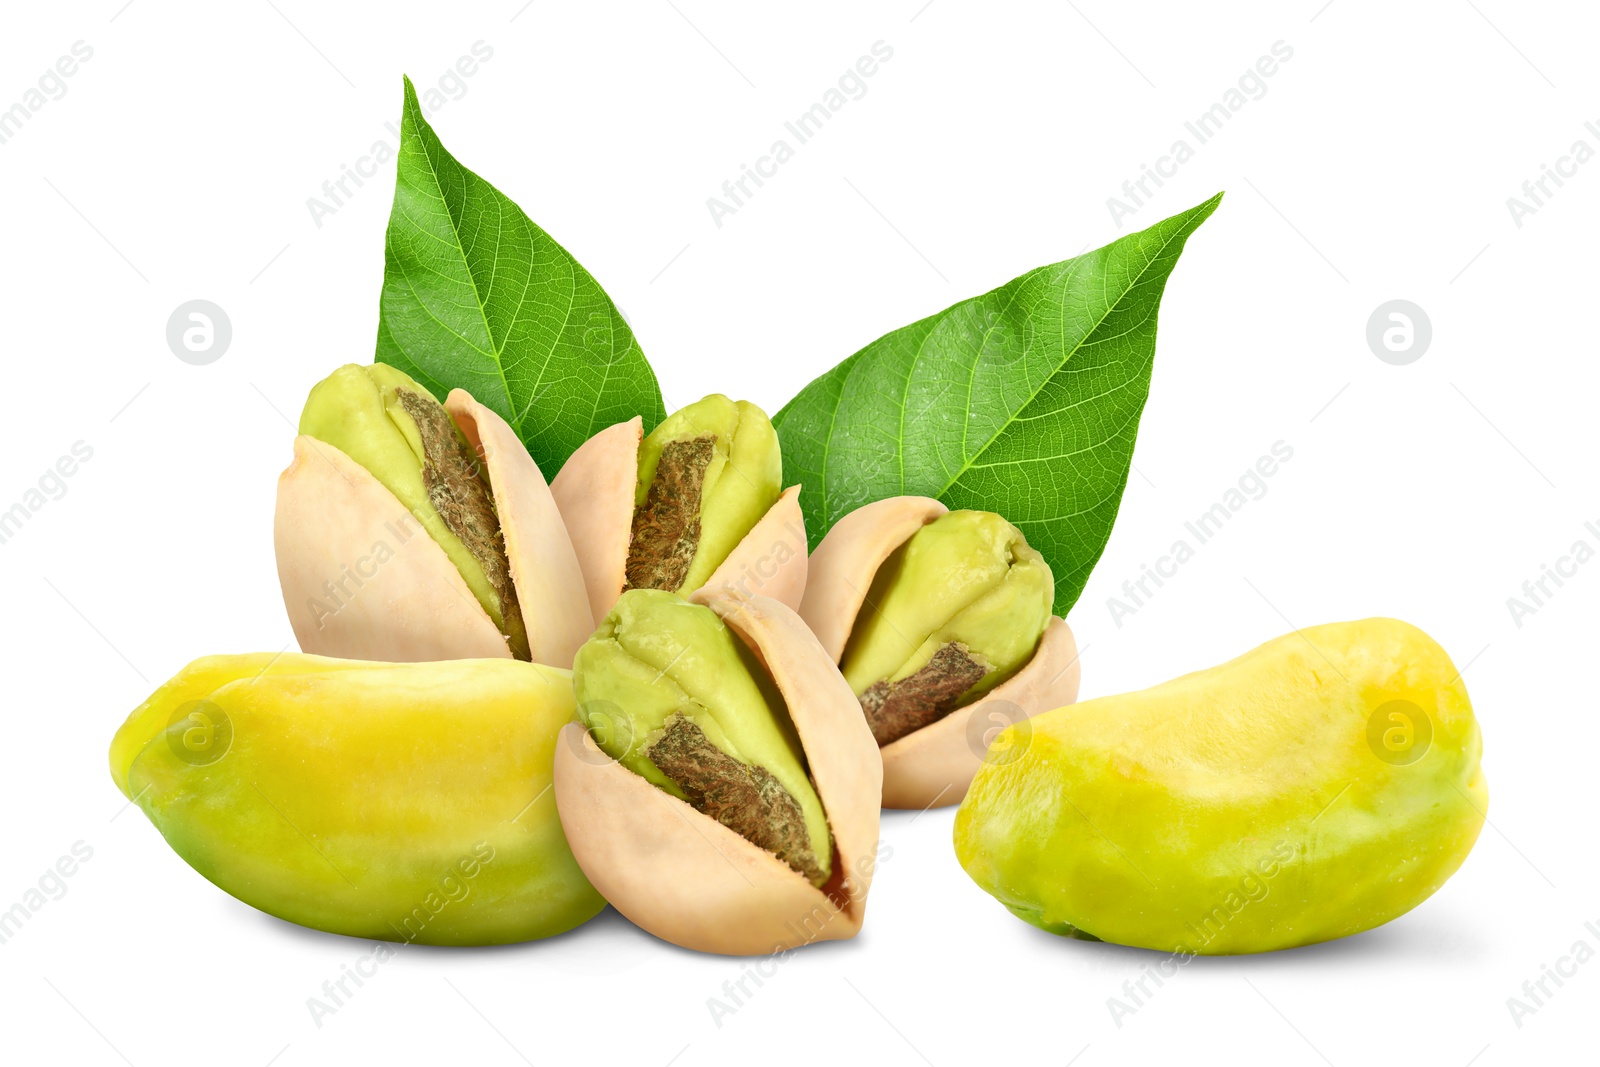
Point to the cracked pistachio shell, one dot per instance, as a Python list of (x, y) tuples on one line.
[(967, 577), (690, 880), (394, 801), (367, 567), (931, 766), (752, 536), (1315, 787), (656, 656)]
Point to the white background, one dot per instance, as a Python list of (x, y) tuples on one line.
[(1376, 166)]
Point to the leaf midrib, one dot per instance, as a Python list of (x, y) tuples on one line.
[(967, 464), (455, 230)]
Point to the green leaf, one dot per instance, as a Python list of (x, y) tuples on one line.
[(1024, 401), (477, 297)]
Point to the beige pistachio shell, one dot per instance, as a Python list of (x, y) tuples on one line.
[(843, 566), (361, 578), (932, 767), (544, 565), (771, 560), (690, 880), (595, 492)]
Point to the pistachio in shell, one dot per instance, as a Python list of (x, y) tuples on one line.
[(940, 622), (695, 504), (411, 530), (697, 722)]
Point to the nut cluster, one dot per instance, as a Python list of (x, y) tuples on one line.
[(723, 713), (520, 700)]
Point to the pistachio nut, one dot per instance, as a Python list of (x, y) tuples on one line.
[(397, 801), (1320, 785), (721, 789), (693, 505), (411, 530), (688, 707), (940, 622)]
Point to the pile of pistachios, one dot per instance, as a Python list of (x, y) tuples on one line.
[(519, 700)]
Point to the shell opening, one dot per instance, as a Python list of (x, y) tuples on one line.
[(666, 527), (895, 709), (745, 798), (459, 491)]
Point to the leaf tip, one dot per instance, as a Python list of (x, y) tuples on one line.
[(409, 108), (1203, 210)]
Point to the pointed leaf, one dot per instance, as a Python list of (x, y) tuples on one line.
[(1023, 401), (478, 297)]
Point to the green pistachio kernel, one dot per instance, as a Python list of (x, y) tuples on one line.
[(706, 476), (674, 696), (1315, 787), (398, 801), (951, 614)]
